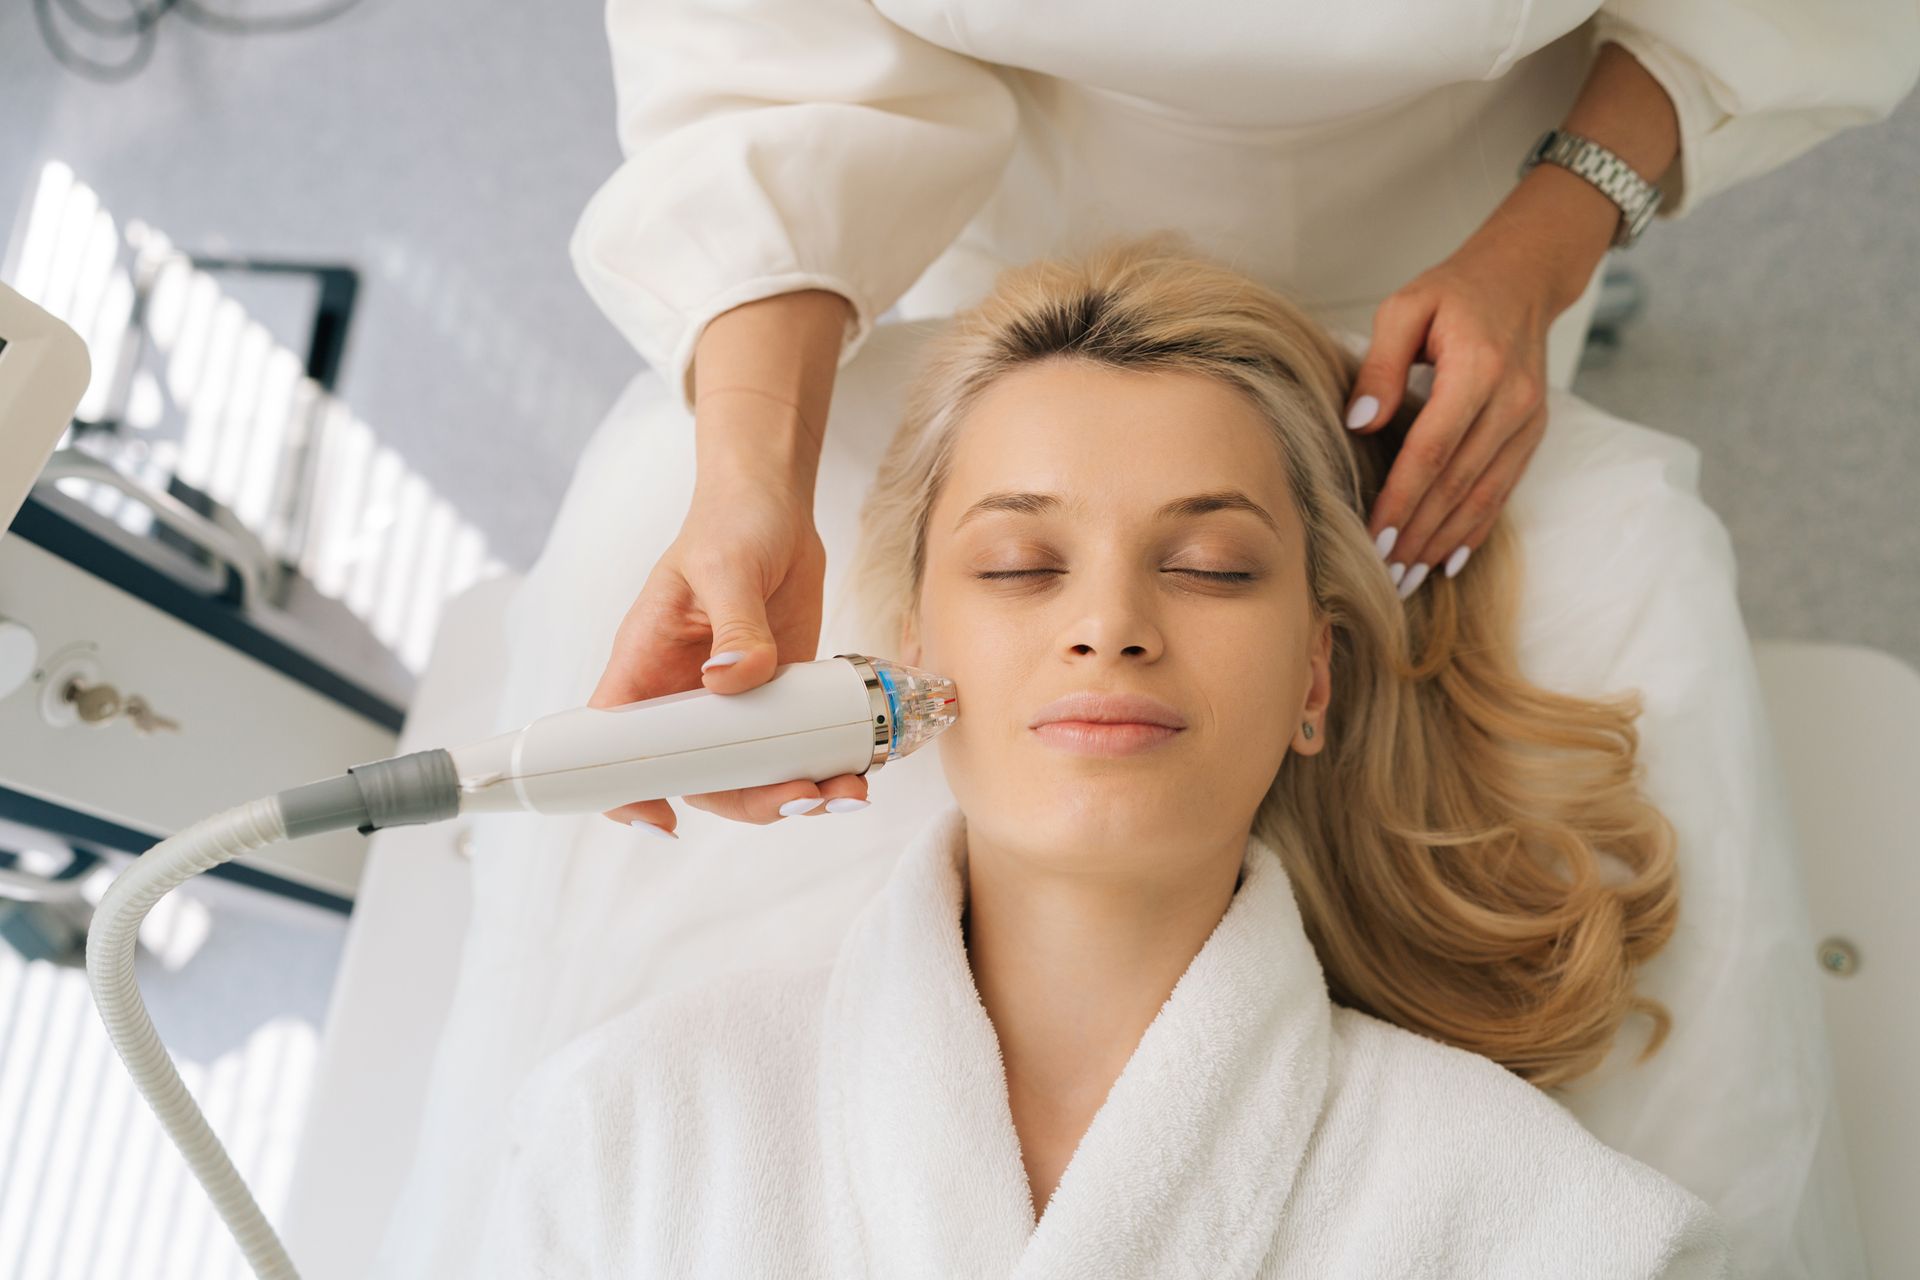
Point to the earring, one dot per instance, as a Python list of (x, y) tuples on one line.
[(1308, 727)]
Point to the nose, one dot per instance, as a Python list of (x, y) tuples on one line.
[(1112, 611)]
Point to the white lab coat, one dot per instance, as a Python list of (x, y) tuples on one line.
[(900, 152), (852, 1121)]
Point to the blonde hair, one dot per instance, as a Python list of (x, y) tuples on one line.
[(1446, 846)]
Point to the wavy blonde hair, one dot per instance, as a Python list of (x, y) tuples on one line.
[(1448, 847)]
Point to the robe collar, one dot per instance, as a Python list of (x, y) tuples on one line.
[(1190, 1160)]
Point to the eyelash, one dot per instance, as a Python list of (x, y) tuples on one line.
[(1198, 573)]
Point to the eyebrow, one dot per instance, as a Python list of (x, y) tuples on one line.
[(1198, 504)]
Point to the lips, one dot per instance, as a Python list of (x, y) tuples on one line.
[(1093, 706)]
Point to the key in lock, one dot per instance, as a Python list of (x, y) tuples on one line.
[(101, 703)]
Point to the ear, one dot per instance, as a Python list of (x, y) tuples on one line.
[(1319, 693)]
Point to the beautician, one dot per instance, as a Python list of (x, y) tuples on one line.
[(796, 168)]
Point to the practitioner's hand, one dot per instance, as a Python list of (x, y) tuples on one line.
[(745, 576), (1480, 318)]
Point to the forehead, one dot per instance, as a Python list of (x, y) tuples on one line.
[(1114, 444)]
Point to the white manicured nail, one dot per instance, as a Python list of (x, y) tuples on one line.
[(721, 660), (1384, 543), (1362, 412), (1413, 580), (1457, 559), (1394, 571), (846, 804), (644, 825), (805, 804)]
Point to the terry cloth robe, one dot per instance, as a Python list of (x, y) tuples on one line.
[(852, 1120)]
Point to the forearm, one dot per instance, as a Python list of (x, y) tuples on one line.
[(763, 377), (1563, 218)]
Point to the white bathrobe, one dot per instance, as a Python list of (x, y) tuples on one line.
[(852, 1120)]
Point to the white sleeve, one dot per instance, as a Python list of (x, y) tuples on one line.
[(1757, 82), (778, 145)]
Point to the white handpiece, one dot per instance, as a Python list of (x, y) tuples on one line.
[(813, 720)]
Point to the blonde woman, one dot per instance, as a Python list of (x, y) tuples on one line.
[(1263, 974)]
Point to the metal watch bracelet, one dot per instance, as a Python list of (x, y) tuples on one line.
[(1615, 178)]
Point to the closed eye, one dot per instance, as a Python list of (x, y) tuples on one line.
[(1198, 573)]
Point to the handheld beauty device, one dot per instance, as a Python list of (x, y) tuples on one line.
[(813, 720)]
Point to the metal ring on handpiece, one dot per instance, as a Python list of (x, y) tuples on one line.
[(881, 709)]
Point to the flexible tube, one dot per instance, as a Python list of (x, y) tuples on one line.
[(110, 953), (416, 788)]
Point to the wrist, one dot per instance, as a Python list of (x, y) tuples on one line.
[(1566, 223), (763, 376), (747, 437), (1560, 225)]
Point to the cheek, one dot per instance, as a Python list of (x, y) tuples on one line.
[(962, 632), (995, 656), (957, 642), (1255, 684)]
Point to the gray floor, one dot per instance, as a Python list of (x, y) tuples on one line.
[(1781, 334)]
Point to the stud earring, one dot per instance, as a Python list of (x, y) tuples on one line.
[(1308, 728)]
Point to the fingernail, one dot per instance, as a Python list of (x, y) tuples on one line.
[(1413, 580), (1384, 543), (805, 804), (846, 804), (1362, 412), (1457, 559), (644, 825), (1394, 571), (721, 660)]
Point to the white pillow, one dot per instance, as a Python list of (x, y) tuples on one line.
[(1630, 584)]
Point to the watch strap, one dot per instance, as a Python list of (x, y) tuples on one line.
[(1616, 179)]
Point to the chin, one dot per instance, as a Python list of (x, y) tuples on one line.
[(1090, 804)]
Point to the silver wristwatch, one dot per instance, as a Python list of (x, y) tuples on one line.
[(1636, 197)]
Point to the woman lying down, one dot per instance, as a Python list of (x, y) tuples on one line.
[(1272, 990)]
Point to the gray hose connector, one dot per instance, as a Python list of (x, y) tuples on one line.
[(416, 788)]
